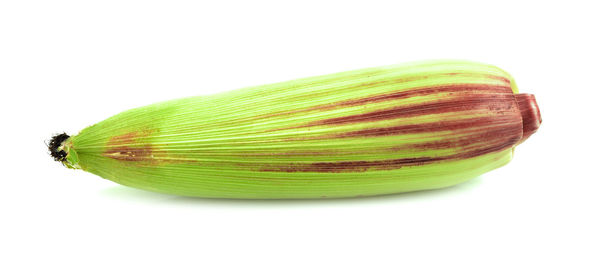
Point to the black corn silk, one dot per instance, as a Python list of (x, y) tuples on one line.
[(55, 142)]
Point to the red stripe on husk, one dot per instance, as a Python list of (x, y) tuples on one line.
[(427, 90), (456, 125), (492, 102), (479, 141), (392, 164)]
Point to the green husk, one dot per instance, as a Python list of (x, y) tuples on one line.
[(307, 138)]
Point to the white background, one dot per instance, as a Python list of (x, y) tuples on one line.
[(68, 64)]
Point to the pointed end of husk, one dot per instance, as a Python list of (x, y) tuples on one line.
[(530, 113), (60, 148)]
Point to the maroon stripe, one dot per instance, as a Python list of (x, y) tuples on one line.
[(422, 92), (472, 140), (493, 140), (350, 166), (492, 102), (362, 166), (433, 127), (458, 126), (392, 164), (428, 90)]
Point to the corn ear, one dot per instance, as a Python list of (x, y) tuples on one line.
[(373, 131)]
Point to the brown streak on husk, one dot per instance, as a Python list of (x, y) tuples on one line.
[(463, 87), (128, 148), (130, 154), (349, 166), (493, 102), (495, 140), (429, 127)]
